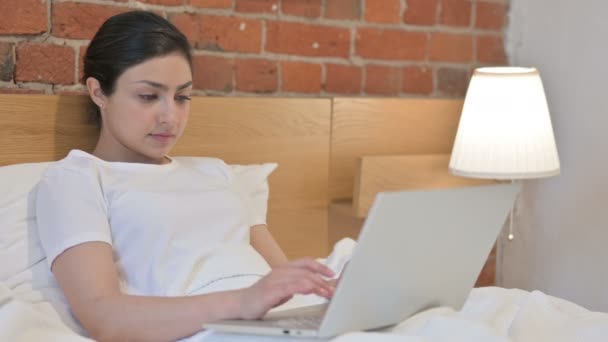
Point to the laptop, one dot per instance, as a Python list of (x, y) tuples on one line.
[(417, 250)]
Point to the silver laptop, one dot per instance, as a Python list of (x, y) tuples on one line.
[(416, 250)]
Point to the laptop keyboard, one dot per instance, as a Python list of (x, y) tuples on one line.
[(308, 317), (304, 322)]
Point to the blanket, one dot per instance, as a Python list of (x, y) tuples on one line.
[(490, 314)]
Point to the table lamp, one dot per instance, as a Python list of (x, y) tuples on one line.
[(505, 129)]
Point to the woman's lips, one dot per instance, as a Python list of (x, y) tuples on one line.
[(162, 137)]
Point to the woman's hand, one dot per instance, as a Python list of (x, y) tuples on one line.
[(303, 276)]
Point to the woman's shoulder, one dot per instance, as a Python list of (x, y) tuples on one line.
[(76, 161)]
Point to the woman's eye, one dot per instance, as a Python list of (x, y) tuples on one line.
[(148, 97), (182, 98)]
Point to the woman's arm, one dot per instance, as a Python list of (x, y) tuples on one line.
[(88, 277), (263, 242)]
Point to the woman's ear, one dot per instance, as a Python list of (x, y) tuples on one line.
[(95, 92)]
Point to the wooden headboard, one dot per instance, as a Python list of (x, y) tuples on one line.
[(333, 154), (292, 132), (387, 126)]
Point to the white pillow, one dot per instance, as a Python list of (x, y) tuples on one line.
[(20, 248)]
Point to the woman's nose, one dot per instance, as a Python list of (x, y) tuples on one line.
[(168, 112)]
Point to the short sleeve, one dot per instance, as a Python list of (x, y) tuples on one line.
[(70, 210), (252, 181)]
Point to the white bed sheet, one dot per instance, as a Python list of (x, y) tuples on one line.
[(31, 309), (490, 314)]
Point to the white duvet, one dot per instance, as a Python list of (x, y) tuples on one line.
[(34, 313)]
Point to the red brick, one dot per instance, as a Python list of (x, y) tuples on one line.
[(383, 11), (23, 16), (80, 20), (343, 9), (190, 25), (417, 80), (343, 79), (257, 6), (420, 12), (213, 73), (301, 77), (7, 64), (164, 2), (490, 16), (45, 63), (491, 50), (231, 34), (307, 40), (456, 12), (20, 91), (391, 44), (448, 47), (218, 33), (382, 80), (211, 3), (302, 8), (81, 54), (256, 76), (452, 82)]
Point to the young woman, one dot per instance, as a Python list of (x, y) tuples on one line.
[(131, 233)]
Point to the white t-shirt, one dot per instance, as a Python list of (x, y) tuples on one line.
[(176, 229)]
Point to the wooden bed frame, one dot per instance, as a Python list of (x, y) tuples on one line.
[(324, 148), (291, 132)]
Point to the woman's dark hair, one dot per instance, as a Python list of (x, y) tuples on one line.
[(128, 39)]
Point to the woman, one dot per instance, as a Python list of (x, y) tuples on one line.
[(128, 231)]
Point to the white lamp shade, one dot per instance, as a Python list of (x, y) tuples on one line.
[(505, 129)]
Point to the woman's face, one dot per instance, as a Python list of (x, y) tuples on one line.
[(147, 113)]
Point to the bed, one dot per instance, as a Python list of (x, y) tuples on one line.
[(333, 156)]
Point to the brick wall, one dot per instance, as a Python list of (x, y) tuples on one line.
[(272, 47)]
